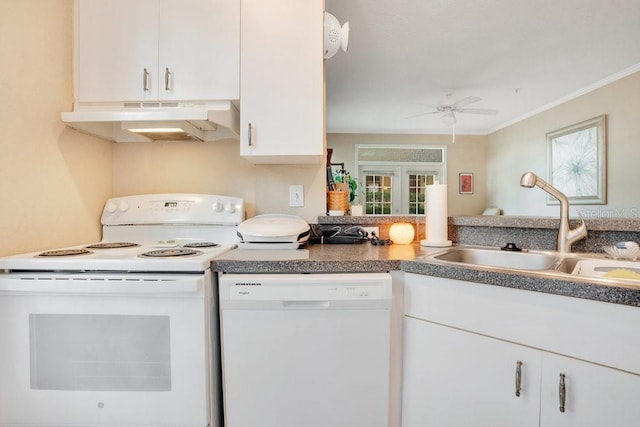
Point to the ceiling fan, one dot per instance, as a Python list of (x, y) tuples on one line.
[(449, 107)]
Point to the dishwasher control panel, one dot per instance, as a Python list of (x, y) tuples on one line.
[(305, 287)]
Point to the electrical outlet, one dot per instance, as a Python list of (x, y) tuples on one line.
[(296, 196), (371, 230)]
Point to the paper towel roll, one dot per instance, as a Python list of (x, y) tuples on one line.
[(436, 229)]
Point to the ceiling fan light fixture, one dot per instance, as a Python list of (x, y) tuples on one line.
[(448, 118)]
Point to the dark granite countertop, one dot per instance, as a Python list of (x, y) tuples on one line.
[(365, 257), (593, 223), (356, 258), (570, 286)]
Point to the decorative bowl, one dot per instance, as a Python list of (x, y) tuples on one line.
[(624, 250)]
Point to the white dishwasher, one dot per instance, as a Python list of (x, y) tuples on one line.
[(306, 350)]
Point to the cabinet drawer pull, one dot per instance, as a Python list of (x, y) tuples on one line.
[(145, 80), (562, 392), (167, 79), (250, 132), (518, 377)]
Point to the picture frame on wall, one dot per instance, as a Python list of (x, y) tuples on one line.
[(576, 161), (465, 183)]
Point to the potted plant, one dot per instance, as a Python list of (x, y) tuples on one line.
[(343, 177)]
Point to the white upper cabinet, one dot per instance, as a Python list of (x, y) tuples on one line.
[(157, 50), (282, 81), (200, 46), (116, 40)]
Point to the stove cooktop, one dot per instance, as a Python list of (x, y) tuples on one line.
[(173, 232), (115, 256)]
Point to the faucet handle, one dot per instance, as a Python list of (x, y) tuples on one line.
[(579, 232), (583, 225)]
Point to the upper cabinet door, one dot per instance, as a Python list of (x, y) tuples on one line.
[(149, 50), (199, 49), (282, 81), (116, 41)]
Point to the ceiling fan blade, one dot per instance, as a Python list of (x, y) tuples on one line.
[(485, 111), (466, 101), (422, 104), (422, 114)]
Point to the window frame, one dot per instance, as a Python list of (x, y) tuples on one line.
[(400, 172)]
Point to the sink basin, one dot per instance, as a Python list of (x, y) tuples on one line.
[(607, 268), (568, 264), (592, 267), (499, 258)]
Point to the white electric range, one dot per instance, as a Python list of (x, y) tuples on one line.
[(148, 233), (123, 331)]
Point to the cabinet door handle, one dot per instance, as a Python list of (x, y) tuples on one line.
[(250, 132), (562, 392), (518, 377), (167, 79), (145, 80)]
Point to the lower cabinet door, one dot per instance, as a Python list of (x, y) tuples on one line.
[(581, 394), (456, 378)]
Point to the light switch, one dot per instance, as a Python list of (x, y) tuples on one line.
[(296, 196)]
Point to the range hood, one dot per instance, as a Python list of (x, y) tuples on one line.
[(157, 120)]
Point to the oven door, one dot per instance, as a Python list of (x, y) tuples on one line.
[(105, 350)]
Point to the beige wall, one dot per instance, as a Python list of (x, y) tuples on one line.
[(466, 155), (522, 147), (53, 181), (216, 168)]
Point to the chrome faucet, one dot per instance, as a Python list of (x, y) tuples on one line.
[(566, 236)]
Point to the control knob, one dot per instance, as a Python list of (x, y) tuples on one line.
[(123, 206), (217, 206), (111, 207)]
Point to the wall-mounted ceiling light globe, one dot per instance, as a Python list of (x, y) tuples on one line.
[(335, 36), (402, 233)]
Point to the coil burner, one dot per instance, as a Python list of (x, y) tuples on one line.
[(65, 252), (112, 245), (200, 245), (172, 252)]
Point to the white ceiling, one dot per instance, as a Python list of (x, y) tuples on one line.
[(520, 56)]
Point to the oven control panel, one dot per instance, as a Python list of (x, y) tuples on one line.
[(179, 208)]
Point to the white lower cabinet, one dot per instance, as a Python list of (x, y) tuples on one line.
[(595, 396), (469, 348), (458, 379)]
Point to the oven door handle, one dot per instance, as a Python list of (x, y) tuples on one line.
[(107, 286)]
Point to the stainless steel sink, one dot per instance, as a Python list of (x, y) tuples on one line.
[(568, 264), (549, 264), (499, 258)]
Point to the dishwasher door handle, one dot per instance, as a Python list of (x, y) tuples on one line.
[(305, 305)]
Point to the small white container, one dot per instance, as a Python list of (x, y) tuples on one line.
[(356, 210)]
